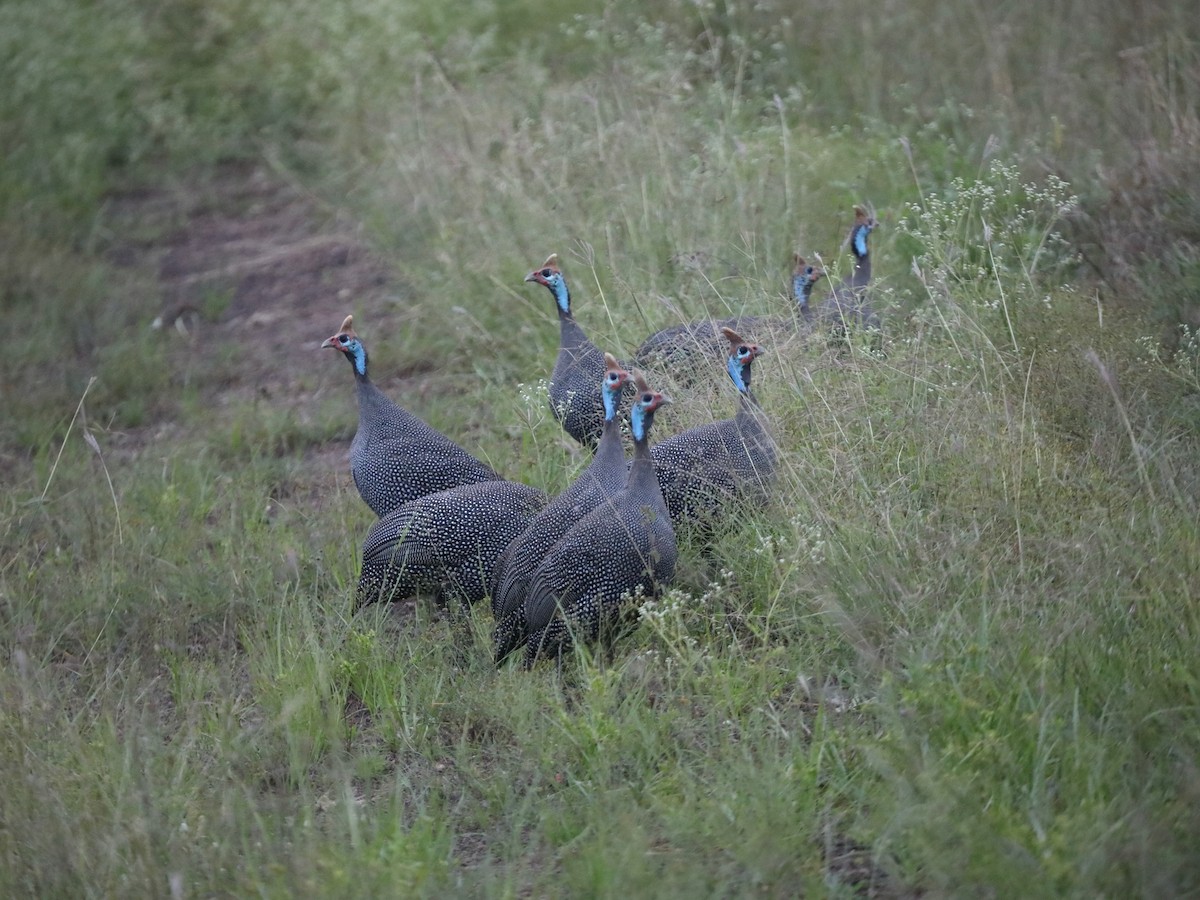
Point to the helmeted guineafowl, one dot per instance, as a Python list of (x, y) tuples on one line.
[(579, 367), (676, 348), (848, 303), (395, 457), (804, 276), (700, 470), (604, 477), (622, 550), (445, 543)]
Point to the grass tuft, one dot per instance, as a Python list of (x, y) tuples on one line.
[(953, 654)]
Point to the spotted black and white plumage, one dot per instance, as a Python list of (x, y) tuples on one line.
[(702, 469), (603, 478), (622, 550), (445, 544), (579, 367), (675, 348), (395, 457), (849, 302)]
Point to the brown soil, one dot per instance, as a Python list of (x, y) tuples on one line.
[(244, 258)]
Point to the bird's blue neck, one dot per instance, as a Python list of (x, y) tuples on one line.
[(609, 397), (358, 359), (859, 241), (740, 373), (639, 423), (801, 289), (562, 296)]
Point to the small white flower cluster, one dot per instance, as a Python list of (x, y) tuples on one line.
[(715, 588), (560, 410), (805, 544), (665, 607), (533, 395), (810, 543), (996, 231), (766, 545), (1181, 361), (650, 654), (666, 617)]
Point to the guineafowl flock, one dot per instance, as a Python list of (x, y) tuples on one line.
[(573, 567)]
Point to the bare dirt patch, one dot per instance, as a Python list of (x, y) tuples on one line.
[(251, 265)]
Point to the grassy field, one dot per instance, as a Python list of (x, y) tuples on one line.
[(956, 656)]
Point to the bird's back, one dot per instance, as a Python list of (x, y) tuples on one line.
[(602, 479), (445, 542), (624, 547), (396, 457), (700, 470), (574, 390)]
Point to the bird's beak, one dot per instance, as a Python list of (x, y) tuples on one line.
[(329, 342), (532, 276)]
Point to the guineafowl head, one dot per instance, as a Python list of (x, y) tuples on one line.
[(864, 224), (615, 379), (741, 354), (641, 414), (804, 276), (347, 341), (551, 276)]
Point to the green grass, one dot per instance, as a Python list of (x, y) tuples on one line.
[(956, 656)]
